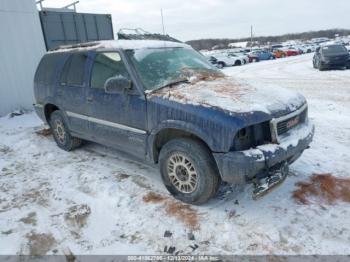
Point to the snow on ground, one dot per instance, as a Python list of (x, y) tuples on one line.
[(97, 201)]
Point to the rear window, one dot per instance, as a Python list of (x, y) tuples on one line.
[(46, 69), (334, 49), (74, 70)]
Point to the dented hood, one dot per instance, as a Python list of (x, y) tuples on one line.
[(227, 94)]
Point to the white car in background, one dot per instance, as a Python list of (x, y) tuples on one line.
[(306, 49), (243, 57), (225, 59)]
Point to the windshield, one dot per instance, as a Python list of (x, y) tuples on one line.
[(159, 67), (334, 50)]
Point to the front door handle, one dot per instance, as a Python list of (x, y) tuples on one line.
[(89, 99)]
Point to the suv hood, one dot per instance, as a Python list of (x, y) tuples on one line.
[(227, 94)]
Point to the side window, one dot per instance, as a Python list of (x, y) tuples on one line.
[(107, 65), (74, 70), (46, 69)]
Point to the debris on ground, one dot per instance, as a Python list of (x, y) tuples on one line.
[(190, 236), (30, 219), (77, 215), (194, 247), (232, 213), (16, 113), (167, 233), (323, 189), (40, 244), (44, 132), (174, 208)]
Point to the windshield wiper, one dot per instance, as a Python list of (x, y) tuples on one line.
[(171, 84)]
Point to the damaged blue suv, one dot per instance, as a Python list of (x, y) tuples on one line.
[(163, 102)]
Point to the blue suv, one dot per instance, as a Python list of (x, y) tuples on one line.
[(165, 103)]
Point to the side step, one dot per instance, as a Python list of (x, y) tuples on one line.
[(275, 178)]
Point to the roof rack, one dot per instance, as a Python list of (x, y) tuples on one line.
[(74, 46), (140, 34)]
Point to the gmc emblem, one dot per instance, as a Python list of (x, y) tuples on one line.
[(293, 122)]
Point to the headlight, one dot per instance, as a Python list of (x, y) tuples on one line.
[(252, 136)]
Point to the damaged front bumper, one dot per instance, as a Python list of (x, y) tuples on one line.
[(242, 166)]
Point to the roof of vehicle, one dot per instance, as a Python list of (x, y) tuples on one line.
[(119, 44)]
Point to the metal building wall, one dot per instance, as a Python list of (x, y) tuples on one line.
[(21, 48)]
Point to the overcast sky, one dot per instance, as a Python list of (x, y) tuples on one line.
[(195, 19)]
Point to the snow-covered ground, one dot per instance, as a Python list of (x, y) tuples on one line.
[(97, 201)]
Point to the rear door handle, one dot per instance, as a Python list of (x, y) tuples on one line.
[(89, 99)]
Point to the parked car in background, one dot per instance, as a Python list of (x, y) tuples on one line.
[(277, 46), (244, 58), (164, 103), (279, 53), (223, 60), (253, 58), (308, 48), (331, 56), (291, 51), (264, 55)]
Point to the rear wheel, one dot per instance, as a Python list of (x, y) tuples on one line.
[(63, 138), (238, 63), (188, 170)]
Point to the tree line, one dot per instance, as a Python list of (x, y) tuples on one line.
[(208, 44)]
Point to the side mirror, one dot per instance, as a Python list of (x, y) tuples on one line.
[(318, 49), (117, 84)]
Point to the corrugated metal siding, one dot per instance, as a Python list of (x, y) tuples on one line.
[(21, 48), (63, 28)]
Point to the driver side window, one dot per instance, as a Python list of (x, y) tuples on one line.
[(107, 65)]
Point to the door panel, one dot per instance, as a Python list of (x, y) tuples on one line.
[(72, 90), (119, 119)]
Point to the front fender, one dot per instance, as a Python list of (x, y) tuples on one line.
[(181, 126)]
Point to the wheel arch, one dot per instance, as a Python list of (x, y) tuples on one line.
[(49, 108), (169, 131)]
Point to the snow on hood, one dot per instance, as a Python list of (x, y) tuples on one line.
[(226, 93)]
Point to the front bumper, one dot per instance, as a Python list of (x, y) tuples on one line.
[(242, 166)]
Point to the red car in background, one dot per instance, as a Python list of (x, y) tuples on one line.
[(253, 58), (291, 51)]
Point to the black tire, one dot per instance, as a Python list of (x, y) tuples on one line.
[(238, 63), (61, 134), (203, 163), (221, 65)]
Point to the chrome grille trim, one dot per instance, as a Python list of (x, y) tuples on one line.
[(274, 122)]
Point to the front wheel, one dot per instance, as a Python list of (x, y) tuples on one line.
[(63, 138), (189, 171), (221, 65)]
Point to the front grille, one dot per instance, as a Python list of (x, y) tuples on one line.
[(289, 123)]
